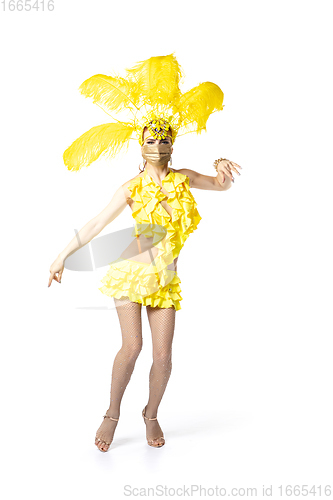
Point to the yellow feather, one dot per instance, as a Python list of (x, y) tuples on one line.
[(157, 80), (151, 87), (196, 105), (111, 93), (107, 139)]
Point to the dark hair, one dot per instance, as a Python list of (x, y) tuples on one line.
[(142, 169)]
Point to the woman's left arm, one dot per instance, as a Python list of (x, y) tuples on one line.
[(221, 182)]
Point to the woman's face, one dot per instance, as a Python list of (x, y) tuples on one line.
[(148, 139)]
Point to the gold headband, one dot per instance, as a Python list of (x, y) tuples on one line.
[(158, 129)]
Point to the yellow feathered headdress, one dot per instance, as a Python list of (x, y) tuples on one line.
[(150, 92)]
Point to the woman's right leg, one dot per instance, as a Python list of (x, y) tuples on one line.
[(129, 314)]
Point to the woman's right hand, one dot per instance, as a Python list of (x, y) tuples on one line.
[(56, 268)]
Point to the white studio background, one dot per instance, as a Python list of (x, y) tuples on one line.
[(249, 402)]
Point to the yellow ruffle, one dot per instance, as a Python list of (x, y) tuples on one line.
[(154, 284)]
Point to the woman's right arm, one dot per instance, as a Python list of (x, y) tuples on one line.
[(90, 230)]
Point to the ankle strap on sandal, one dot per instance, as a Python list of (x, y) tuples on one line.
[(115, 419), (144, 416)]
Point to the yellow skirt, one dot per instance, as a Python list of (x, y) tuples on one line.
[(139, 282)]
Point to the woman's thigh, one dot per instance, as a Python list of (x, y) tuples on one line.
[(129, 314), (162, 325)]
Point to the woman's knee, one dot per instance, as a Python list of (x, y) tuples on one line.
[(162, 358), (132, 350)]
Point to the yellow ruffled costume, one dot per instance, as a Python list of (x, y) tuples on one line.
[(154, 283), (150, 96)]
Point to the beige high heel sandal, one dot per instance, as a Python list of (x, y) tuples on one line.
[(101, 440), (151, 441)]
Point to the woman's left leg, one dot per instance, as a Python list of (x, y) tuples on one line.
[(162, 325)]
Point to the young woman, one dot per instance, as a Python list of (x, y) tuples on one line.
[(165, 213)]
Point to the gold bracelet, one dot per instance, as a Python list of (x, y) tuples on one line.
[(216, 162)]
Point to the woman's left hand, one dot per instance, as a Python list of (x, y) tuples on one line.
[(224, 167)]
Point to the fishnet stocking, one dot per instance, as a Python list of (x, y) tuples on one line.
[(129, 314), (162, 325)]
